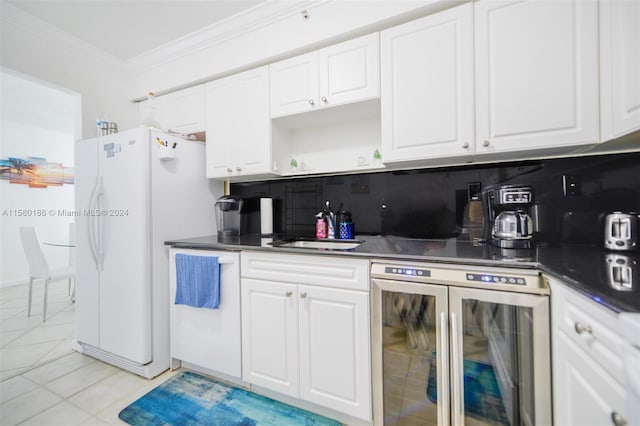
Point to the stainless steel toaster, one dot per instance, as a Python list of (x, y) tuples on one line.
[(621, 231)]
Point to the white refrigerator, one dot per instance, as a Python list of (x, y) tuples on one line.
[(134, 190)]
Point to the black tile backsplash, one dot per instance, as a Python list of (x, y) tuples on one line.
[(572, 195)]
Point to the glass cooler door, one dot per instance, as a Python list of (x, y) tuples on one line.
[(410, 353), (500, 356)]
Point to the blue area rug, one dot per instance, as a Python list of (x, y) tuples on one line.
[(189, 399), (482, 398)]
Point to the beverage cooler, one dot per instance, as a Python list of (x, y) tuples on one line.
[(460, 346)]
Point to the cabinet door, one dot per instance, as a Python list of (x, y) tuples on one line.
[(185, 110), (584, 393), (335, 363), (294, 85), (253, 146), (350, 71), (427, 87), (270, 335), (536, 74), (620, 67), (221, 125)]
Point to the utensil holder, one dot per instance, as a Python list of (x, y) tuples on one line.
[(165, 153)]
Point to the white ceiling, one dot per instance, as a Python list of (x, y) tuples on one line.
[(127, 28)]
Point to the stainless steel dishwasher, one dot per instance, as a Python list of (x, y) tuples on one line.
[(460, 345)]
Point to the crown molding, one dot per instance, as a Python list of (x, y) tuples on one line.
[(235, 26), (13, 16)]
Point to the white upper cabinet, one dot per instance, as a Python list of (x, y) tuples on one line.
[(185, 110), (619, 67), (238, 125), (294, 85), (350, 71), (427, 87), (340, 74), (536, 74), (181, 111)]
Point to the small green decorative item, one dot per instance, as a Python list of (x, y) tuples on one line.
[(294, 164), (376, 155)]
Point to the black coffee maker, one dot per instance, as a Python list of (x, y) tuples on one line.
[(507, 223)]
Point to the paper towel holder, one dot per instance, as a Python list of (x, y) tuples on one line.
[(266, 217)]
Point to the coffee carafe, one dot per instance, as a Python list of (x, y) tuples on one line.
[(507, 222), (228, 210)]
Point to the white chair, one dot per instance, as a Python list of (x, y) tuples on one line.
[(39, 267)]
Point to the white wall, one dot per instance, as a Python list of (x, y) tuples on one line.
[(32, 47), (40, 121)]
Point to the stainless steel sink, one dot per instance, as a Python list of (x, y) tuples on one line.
[(319, 244)]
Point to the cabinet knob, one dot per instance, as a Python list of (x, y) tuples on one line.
[(311, 102), (238, 169), (324, 99), (465, 145), (486, 143), (303, 295), (288, 294), (581, 329), (617, 419), (229, 169)]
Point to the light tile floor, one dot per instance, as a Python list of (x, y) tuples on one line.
[(42, 380)]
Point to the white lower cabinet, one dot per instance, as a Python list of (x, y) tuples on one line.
[(588, 372), (270, 335), (334, 348), (586, 394), (308, 341)]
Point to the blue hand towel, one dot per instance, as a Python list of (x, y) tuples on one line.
[(198, 281)]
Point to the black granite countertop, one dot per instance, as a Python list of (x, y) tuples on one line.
[(589, 270)]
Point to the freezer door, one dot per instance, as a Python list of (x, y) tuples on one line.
[(87, 278), (125, 289)]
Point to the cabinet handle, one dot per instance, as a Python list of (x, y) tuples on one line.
[(303, 295), (324, 99), (238, 169), (486, 143), (288, 294), (617, 419), (456, 357), (229, 169), (465, 145), (580, 329), (311, 102)]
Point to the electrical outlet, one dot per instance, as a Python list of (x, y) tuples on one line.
[(362, 161), (571, 186), (473, 190)]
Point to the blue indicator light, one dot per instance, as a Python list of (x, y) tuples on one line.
[(486, 278), (408, 272)]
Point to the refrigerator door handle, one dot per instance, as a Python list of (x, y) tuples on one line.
[(456, 360), (94, 216), (91, 223), (99, 239), (443, 388)]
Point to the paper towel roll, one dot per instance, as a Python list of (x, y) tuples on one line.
[(266, 216)]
